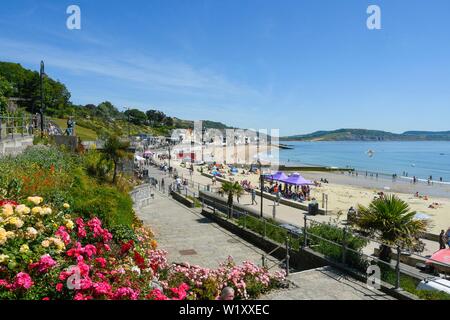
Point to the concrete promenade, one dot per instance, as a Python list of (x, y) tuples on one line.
[(190, 237)]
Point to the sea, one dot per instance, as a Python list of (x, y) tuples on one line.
[(421, 159)]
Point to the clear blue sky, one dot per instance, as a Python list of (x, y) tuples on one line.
[(295, 65)]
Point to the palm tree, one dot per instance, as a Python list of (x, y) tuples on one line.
[(390, 220), (231, 189), (115, 150)]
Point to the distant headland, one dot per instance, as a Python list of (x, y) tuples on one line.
[(370, 135)]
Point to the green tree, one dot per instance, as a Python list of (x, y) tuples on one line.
[(390, 220), (169, 121), (136, 116), (5, 92), (155, 117), (231, 189), (107, 110), (116, 150)]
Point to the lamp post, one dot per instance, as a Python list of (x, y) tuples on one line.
[(262, 186), (168, 147), (41, 80)]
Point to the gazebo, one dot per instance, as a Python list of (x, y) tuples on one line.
[(277, 176), (296, 179)]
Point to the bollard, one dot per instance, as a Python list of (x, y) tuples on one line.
[(287, 256), (263, 258), (305, 231), (397, 268)]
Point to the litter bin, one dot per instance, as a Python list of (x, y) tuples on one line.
[(313, 209)]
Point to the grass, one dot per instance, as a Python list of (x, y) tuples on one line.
[(83, 133)]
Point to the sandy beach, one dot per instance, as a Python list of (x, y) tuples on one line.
[(343, 190)]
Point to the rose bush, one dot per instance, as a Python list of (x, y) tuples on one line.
[(50, 253)]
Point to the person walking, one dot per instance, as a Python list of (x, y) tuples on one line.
[(162, 184), (442, 240), (278, 198), (254, 196)]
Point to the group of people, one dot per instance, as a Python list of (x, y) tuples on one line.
[(296, 193)]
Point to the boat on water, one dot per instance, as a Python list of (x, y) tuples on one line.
[(285, 146)]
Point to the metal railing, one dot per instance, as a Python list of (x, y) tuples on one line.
[(354, 260), (400, 269), (11, 126)]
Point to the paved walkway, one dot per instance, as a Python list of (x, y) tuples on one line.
[(326, 284), (286, 213), (190, 237)]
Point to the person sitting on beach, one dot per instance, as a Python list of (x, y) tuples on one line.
[(417, 194)]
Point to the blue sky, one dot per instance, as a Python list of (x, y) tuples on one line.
[(297, 65)]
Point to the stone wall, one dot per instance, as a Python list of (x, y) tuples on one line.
[(15, 146)]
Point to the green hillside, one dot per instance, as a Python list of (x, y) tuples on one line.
[(369, 135), (92, 121)]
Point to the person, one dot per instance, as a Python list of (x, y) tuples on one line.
[(254, 196), (226, 294), (351, 215), (278, 198), (162, 184), (447, 237), (442, 240)]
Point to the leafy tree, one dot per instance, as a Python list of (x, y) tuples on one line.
[(136, 116), (107, 110), (116, 150), (390, 220), (169, 121), (155, 117), (26, 85), (5, 92)]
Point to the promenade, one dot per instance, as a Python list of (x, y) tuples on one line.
[(190, 237), (287, 214)]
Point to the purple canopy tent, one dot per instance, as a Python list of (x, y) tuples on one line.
[(277, 176), (296, 179)]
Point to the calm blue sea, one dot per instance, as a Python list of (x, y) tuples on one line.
[(418, 158)]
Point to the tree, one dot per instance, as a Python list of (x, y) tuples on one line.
[(168, 121), (5, 91), (116, 150), (390, 220), (107, 110), (136, 116), (231, 189), (155, 117)]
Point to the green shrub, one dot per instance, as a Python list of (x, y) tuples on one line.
[(335, 251)]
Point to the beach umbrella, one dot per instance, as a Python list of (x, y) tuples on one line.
[(441, 256)]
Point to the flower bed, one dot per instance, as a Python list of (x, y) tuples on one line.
[(46, 253)]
